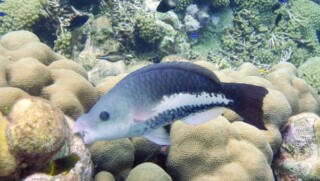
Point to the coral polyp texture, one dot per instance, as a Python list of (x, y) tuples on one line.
[(21, 14), (219, 150), (33, 135), (29, 67)]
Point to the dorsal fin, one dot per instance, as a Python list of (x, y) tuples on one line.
[(186, 66)]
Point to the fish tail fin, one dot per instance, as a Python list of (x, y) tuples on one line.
[(247, 102)]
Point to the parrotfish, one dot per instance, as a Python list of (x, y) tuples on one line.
[(147, 101)]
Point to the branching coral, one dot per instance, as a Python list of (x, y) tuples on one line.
[(148, 30), (21, 14), (291, 39)]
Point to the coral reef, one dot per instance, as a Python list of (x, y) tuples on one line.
[(299, 152), (148, 171), (291, 36), (309, 71), (32, 68)]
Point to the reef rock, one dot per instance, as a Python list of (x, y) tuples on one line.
[(298, 158)]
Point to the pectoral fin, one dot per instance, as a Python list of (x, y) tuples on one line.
[(159, 136)]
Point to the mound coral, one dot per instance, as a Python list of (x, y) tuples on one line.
[(104, 176), (35, 118), (148, 171), (301, 96), (115, 156), (33, 135), (29, 67), (219, 150)]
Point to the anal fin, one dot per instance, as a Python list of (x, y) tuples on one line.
[(202, 117), (159, 136)]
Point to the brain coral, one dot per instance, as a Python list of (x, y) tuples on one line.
[(219, 150), (29, 67)]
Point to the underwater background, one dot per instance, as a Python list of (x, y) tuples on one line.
[(58, 57)]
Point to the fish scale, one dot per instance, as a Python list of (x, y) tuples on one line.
[(146, 101)]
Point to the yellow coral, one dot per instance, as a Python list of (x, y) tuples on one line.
[(37, 130), (7, 160)]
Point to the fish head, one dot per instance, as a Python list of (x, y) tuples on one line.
[(104, 122)]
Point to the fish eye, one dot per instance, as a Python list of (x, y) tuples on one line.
[(104, 115)]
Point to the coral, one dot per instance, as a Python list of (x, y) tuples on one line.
[(300, 95), (63, 44), (30, 67), (309, 71), (36, 131), (107, 83), (104, 176), (104, 69), (182, 4), (8, 96), (299, 152), (219, 150), (144, 149), (7, 161), (83, 168), (170, 18), (148, 171), (35, 134), (291, 39), (21, 14), (69, 90), (147, 28), (218, 3), (103, 35), (191, 24), (70, 65), (32, 79), (115, 156)]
